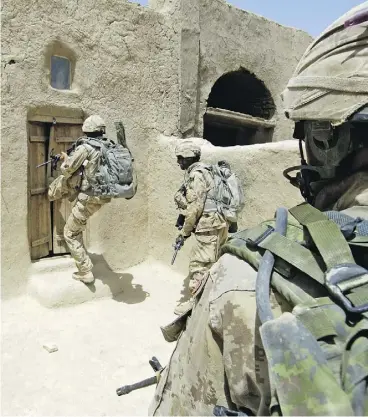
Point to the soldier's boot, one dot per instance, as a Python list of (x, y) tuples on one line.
[(183, 307), (86, 277), (195, 282)]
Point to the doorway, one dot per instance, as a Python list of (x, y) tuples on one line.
[(46, 219)]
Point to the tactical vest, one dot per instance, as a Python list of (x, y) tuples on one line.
[(318, 355)]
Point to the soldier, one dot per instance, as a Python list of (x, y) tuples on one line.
[(85, 160), (231, 351), (206, 223)]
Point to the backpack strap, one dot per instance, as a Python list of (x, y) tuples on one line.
[(317, 356), (342, 275)]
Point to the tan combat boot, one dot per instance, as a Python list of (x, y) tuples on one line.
[(183, 307), (86, 277)]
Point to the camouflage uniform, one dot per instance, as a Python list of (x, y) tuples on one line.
[(210, 229), (77, 173), (84, 205), (219, 358)]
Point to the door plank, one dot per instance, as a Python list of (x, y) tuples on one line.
[(62, 136), (39, 231)]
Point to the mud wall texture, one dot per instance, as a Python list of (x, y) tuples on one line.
[(125, 69), (259, 168), (152, 68), (231, 38), (215, 39)]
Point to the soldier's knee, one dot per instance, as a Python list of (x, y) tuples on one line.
[(67, 232)]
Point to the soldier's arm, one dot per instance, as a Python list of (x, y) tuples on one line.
[(196, 197), (233, 316), (74, 161), (234, 320), (180, 200)]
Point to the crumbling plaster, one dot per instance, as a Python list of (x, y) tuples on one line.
[(153, 69)]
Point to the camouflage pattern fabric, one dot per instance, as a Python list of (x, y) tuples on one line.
[(210, 229), (219, 358), (204, 254), (85, 158), (187, 149), (83, 209), (357, 194), (198, 182), (332, 70), (61, 187)]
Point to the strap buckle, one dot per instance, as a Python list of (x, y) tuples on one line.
[(343, 278), (254, 243)]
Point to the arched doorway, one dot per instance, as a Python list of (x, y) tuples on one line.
[(239, 109)]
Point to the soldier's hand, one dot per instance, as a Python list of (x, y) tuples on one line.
[(181, 238), (63, 156)]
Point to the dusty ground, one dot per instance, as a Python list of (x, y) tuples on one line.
[(103, 344)]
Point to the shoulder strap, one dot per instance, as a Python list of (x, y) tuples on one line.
[(346, 282), (304, 373)]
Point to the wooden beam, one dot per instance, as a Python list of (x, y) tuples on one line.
[(50, 119), (235, 118)]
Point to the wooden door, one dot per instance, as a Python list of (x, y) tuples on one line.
[(39, 219), (62, 137)]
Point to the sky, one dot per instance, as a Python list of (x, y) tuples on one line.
[(313, 16)]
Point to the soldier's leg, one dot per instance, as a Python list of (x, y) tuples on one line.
[(204, 254), (83, 209)]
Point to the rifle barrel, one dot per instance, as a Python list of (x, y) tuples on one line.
[(174, 256), (126, 389), (45, 163)]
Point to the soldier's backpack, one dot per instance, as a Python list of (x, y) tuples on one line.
[(116, 176), (226, 197), (228, 193), (318, 354)]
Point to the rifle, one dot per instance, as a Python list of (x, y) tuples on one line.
[(54, 159), (179, 242), (180, 221), (156, 366)]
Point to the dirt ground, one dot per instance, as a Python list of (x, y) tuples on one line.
[(102, 344)]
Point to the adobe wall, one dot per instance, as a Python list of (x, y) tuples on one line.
[(231, 37), (153, 69), (217, 38), (126, 69), (259, 168)]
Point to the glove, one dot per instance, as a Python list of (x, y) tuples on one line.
[(181, 239)]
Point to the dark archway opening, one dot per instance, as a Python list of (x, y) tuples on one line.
[(239, 109)]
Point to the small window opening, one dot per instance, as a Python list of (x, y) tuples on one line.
[(60, 72), (239, 109)]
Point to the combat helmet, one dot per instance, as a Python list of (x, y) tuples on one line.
[(94, 123), (187, 149), (327, 98)]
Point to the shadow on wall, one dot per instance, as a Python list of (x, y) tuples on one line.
[(121, 284)]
